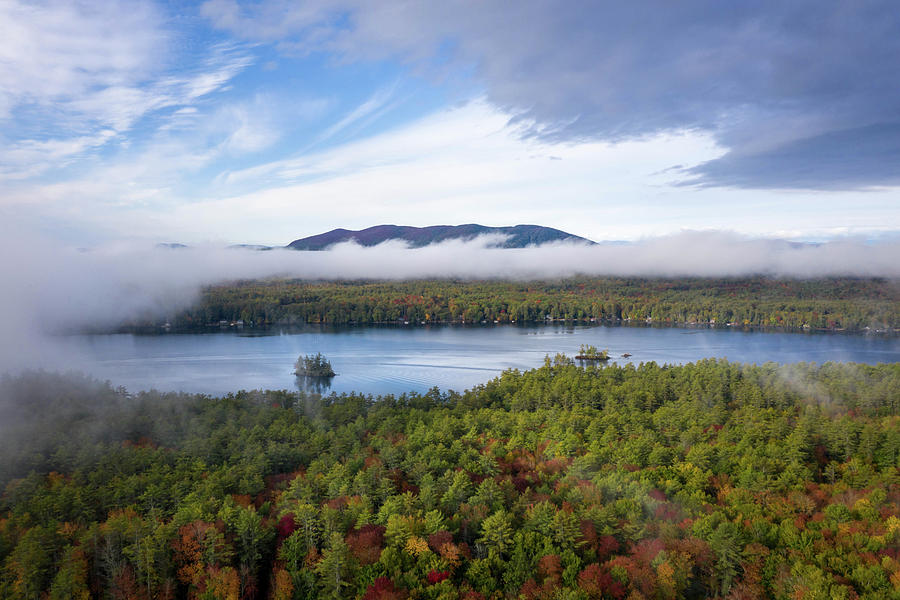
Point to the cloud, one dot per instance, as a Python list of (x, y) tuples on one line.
[(854, 159), (449, 164), (29, 158), (76, 76), (113, 197), (270, 20), (61, 50), (457, 165), (779, 84), (369, 110), (464, 164), (440, 168)]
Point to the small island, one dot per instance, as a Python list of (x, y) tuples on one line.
[(591, 353), (313, 366)]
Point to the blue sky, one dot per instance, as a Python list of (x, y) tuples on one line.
[(263, 122)]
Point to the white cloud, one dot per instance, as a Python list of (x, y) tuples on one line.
[(74, 76), (455, 166), (248, 126), (52, 51), (464, 164), (444, 168), (134, 191), (29, 158)]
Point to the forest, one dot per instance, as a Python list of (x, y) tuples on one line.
[(815, 304), (711, 479)]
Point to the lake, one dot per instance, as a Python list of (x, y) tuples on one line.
[(383, 360)]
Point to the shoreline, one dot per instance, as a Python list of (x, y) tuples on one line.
[(645, 324)]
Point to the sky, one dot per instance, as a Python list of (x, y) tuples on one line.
[(262, 122)]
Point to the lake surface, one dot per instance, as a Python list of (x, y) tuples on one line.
[(383, 360)]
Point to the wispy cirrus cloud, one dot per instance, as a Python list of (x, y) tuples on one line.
[(370, 109), (30, 158), (75, 77), (56, 51)]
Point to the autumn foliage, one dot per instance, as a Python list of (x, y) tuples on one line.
[(697, 481)]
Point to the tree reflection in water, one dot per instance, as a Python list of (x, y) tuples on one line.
[(314, 385)]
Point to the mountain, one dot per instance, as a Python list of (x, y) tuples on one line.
[(519, 236)]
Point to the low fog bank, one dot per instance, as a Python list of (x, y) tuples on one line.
[(53, 288)]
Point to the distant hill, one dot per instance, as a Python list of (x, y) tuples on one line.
[(519, 236), (249, 247)]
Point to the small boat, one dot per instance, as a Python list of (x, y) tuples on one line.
[(626, 355)]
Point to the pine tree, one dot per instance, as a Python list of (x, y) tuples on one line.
[(334, 568)]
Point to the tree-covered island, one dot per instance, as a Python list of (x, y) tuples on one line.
[(313, 366), (591, 353)]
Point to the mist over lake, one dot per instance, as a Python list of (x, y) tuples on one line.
[(394, 360)]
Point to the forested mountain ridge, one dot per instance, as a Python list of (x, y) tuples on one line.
[(518, 236), (705, 480), (835, 303)]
